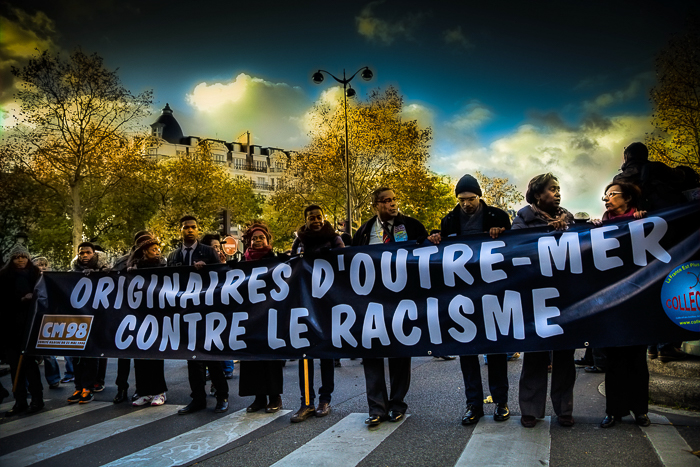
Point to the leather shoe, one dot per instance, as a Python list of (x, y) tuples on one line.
[(395, 416), (528, 421), (608, 421), (375, 420), (583, 362), (501, 414), (192, 407), (304, 412), (120, 397), (672, 355), (221, 406), (565, 420), (258, 403), (472, 414), (274, 405), (34, 407), (323, 409), (16, 409), (642, 420)]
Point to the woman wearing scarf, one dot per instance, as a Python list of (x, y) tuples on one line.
[(543, 194), (17, 281), (261, 378), (627, 375), (150, 374)]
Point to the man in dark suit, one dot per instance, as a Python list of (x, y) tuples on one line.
[(389, 225), (194, 253), (473, 216)]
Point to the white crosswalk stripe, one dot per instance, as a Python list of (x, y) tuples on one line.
[(669, 445), (196, 443), (70, 441), (507, 443), (44, 418), (346, 443)]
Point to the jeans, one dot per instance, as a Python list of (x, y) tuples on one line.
[(52, 372)]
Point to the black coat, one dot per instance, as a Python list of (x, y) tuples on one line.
[(414, 229), (15, 313), (493, 217), (200, 253)]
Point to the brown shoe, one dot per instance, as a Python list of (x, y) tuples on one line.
[(303, 413), (528, 421), (274, 405), (323, 409), (566, 420)]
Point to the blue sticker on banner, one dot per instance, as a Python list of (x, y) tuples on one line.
[(680, 296), (400, 234)]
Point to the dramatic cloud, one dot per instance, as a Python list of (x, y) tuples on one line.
[(457, 37), (584, 158), (422, 114), (473, 116), (638, 84), (22, 34), (272, 111), (385, 31)]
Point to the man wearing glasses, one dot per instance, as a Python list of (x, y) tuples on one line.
[(473, 216), (389, 225)]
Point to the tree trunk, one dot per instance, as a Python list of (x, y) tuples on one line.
[(77, 216)]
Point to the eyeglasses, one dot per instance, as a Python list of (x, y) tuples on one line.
[(611, 195), (387, 200)]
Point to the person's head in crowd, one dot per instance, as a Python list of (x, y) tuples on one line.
[(86, 251), (468, 193), (213, 240), (140, 234), (343, 225), (42, 263), (636, 152), (258, 236), (19, 257), (384, 203), (189, 230), (620, 197), (314, 218), (148, 247), (544, 192)]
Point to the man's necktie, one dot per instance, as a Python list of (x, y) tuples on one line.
[(386, 233), (188, 255)]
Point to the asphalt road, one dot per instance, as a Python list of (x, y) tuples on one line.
[(102, 433)]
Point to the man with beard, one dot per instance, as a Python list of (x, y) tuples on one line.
[(389, 225), (473, 216), (315, 235), (195, 253)]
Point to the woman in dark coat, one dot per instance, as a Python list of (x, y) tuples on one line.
[(627, 374), (17, 281), (543, 194), (150, 374), (261, 378)]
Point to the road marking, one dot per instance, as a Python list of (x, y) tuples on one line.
[(194, 444), (49, 416), (507, 443), (91, 434), (346, 443), (669, 445)]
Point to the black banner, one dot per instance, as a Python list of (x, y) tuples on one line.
[(627, 282)]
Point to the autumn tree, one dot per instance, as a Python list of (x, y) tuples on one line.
[(72, 136), (498, 192), (676, 100), (384, 149)]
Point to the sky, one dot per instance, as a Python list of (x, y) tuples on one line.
[(512, 89)]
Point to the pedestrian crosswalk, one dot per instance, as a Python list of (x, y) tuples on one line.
[(346, 441)]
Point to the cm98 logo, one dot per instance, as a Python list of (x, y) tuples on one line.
[(64, 332)]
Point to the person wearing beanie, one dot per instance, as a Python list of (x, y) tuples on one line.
[(263, 379), (473, 216), (17, 280)]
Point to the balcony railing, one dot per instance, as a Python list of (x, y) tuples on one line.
[(249, 168)]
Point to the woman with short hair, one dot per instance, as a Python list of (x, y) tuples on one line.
[(544, 196), (627, 375)]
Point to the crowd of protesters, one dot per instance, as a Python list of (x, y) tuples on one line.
[(642, 186)]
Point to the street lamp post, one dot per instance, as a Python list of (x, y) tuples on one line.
[(347, 92)]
